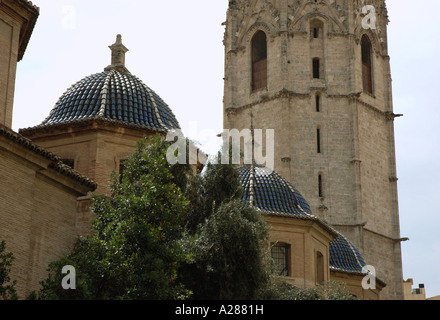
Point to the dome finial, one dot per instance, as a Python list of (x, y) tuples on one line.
[(118, 56), (118, 39)]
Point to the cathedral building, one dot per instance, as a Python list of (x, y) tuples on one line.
[(307, 69), (318, 73)]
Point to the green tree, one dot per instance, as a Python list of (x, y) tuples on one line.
[(206, 192), (7, 288), (134, 252), (226, 239)]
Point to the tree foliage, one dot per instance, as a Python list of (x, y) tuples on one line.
[(7, 288), (134, 252), (227, 239), (330, 290)]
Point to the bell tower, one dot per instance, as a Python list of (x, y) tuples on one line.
[(318, 73)]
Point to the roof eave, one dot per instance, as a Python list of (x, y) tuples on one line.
[(85, 123), (356, 273), (312, 218), (55, 161)]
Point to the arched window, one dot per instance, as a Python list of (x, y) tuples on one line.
[(317, 29), (319, 268), (259, 61), (367, 73), (280, 256)]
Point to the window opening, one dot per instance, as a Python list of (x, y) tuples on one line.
[(318, 140), (316, 67), (280, 256), (316, 33), (259, 61), (320, 186), (319, 268), (367, 74)]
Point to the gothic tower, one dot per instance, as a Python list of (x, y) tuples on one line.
[(318, 73)]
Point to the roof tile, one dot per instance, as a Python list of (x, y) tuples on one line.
[(115, 96)]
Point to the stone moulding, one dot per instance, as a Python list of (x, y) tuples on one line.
[(55, 163)]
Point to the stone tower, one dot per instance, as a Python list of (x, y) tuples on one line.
[(318, 73)]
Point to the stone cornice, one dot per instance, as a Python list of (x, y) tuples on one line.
[(284, 93), (87, 124), (55, 161), (28, 13)]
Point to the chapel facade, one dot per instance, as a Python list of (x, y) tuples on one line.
[(317, 72)]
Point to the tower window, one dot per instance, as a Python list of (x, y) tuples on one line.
[(259, 61), (367, 74), (316, 67), (318, 103), (280, 257), (318, 140), (320, 186), (316, 33), (316, 29)]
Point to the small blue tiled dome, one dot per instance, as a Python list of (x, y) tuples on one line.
[(272, 193), (113, 95), (345, 257)]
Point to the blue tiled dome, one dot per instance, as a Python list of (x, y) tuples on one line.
[(345, 257), (113, 95), (272, 193)]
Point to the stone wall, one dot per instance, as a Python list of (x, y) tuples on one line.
[(38, 211)]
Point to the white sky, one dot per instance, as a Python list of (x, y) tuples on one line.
[(176, 49)]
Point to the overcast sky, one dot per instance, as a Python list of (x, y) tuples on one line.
[(176, 49)]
